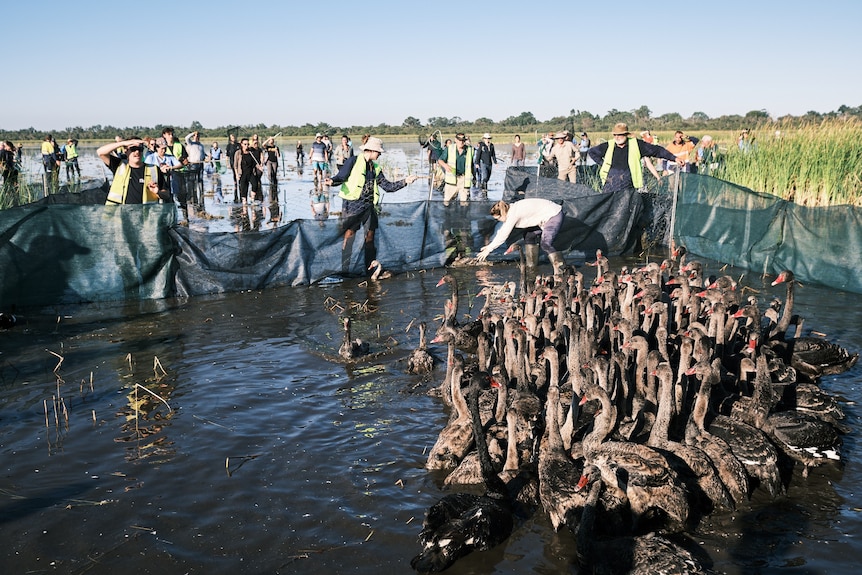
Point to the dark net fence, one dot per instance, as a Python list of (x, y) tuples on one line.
[(70, 248)]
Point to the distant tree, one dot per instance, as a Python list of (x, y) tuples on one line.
[(642, 114), (699, 117), (196, 126), (756, 116), (411, 123), (438, 122)]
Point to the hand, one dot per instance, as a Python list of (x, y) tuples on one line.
[(410, 179), (327, 181), (483, 254)]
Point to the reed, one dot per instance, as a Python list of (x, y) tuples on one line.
[(812, 165)]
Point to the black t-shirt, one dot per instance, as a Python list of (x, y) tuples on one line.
[(271, 153)]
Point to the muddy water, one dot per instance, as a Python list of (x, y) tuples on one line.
[(220, 435)]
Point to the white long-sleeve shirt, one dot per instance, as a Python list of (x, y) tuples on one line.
[(526, 213)]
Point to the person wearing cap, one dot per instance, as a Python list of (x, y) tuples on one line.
[(540, 219), (485, 158), (134, 182), (361, 179), (319, 159), (566, 155), (456, 159), (166, 163), (620, 160), (70, 152)]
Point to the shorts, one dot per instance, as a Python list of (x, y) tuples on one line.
[(368, 217), (322, 166)]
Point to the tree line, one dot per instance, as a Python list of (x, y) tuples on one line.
[(575, 121)]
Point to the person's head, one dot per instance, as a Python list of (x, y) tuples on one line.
[(161, 147), (678, 137), (49, 137), (500, 210), (517, 138), (621, 133), (448, 142), (372, 148), (231, 137), (560, 137), (196, 136), (318, 137), (583, 135), (135, 153), (168, 134), (255, 140), (345, 141), (460, 140), (243, 144), (706, 141), (215, 145), (486, 137)]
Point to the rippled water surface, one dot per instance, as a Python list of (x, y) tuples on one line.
[(220, 435)]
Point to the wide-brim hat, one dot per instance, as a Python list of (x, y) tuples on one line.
[(373, 145), (561, 135), (486, 136), (621, 129), (318, 135)]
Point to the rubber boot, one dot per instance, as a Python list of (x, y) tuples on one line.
[(531, 253), (557, 262)]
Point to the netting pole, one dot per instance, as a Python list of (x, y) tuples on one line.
[(676, 185)]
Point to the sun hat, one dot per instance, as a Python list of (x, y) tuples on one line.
[(621, 129), (373, 145), (486, 136), (318, 135), (561, 135)]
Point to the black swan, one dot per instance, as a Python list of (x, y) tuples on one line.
[(420, 361), (456, 439), (558, 475), (351, 348), (640, 555), (810, 356), (461, 523)]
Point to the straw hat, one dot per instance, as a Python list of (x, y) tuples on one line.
[(373, 145), (621, 129)]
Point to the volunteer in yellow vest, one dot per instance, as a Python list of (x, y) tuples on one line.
[(134, 182), (70, 151), (457, 163), (361, 179), (620, 163)]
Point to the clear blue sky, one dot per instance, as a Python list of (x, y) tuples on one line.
[(149, 62)]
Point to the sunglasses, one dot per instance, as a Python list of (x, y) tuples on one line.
[(133, 149)]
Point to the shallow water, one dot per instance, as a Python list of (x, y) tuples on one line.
[(263, 454), (292, 188)]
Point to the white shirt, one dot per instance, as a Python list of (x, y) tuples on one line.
[(526, 213)]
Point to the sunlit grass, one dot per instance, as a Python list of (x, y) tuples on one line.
[(812, 165)]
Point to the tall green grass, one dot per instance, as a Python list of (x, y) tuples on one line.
[(812, 165)]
